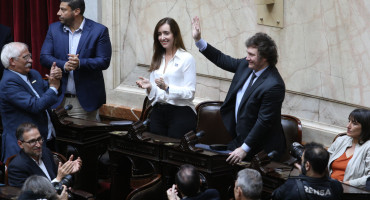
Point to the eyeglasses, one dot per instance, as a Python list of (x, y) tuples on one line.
[(27, 57), (33, 142)]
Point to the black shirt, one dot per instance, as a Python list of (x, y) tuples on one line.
[(313, 188)]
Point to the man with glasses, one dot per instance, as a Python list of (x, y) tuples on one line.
[(25, 96), (36, 159)]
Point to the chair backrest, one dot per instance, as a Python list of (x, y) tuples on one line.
[(339, 135), (292, 128), (146, 110), (209, 120), (151, 190), (58, 158), (6, 168)]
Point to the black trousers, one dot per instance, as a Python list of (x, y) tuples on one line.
[(172, 121)]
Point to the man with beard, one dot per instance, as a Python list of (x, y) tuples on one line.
[(34, 159), (313, 182), (25, 96), (82, 49)]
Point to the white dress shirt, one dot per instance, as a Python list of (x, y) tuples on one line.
[(180, 76), (74, 39)]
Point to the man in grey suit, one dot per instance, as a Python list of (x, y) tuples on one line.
[(251, 111)]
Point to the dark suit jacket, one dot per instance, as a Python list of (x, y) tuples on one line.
[(23, 166), (259, 114), (209, 194), (18, 104), (5, 38), (94, 51)]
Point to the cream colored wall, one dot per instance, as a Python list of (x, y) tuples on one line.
[(324, 48)]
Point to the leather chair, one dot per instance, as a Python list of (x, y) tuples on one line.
[(292, 128), (209, 120), (152, 189), (7, 162)]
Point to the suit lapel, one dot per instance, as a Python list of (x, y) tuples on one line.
[(255, 85), (35, 168), (19, 80), (85, 33), (239, 83), (48, 165), (34, 84), (64, 40)]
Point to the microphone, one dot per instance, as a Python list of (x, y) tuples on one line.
[(63, 110), (272, 154), (200, 134), (68, 107), (146, 122)]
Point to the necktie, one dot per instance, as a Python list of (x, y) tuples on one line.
[(251, 81)]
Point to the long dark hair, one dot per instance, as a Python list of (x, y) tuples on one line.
[(158, 50), (362, 116)]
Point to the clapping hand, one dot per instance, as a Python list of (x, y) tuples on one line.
[(143, 83), (73, 62), (160, 83), (172, 193)]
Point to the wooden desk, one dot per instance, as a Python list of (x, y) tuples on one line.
[(88, 139), (9, 192), (165, 156)]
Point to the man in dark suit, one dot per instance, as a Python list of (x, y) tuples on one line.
[(24, 96), (251, 111), (82, 49), (35, 159), (188, 185), (5, 38)]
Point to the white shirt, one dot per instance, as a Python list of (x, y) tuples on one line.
[(74, 39), (42, 166), (180, 76)]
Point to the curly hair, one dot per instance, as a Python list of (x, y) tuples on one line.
[(266, 47)]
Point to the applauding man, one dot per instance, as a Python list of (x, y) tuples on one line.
[(36, 159)]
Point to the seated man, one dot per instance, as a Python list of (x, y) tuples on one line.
[(313, 182), (248, 185), (35, 158), (188, 184)]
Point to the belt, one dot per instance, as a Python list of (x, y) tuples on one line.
[(70, 95)]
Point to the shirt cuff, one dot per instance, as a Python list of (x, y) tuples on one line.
[(55, 90), (246, 148), (201, 44)]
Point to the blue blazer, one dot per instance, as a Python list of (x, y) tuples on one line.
[(23, 166), (95, 51), (259, 113), (18, 104)]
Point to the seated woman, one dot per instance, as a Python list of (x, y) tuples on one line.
[(39, 187), (171, 87), (350, 154)]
